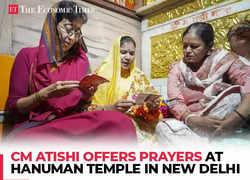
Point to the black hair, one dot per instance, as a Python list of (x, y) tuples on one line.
[(242, 27), (71, 11), (125, 39), (204, 30)]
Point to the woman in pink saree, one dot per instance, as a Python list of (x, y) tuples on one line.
[(44, 95), (208, 89)]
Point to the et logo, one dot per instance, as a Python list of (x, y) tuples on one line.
[(13, 9)]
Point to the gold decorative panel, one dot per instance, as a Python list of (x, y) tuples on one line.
[(182, 10), (167, 48), (147, 2)]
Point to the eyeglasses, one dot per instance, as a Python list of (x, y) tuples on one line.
[(70, 31)]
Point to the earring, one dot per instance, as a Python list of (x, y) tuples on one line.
[(209, 52)]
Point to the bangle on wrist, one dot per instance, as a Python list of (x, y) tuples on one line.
[(37, 97), (188, 117), (240, 115)]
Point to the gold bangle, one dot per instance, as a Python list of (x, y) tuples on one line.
[(188, 117), (37, 97)]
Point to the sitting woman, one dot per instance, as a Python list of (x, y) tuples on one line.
[(126, 81), (44, 95), (239, 39), (208, 89)]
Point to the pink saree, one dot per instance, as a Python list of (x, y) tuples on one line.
[(221, 73), (33, 71), (214, 90)]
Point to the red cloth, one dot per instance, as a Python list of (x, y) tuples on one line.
[(99, 126)]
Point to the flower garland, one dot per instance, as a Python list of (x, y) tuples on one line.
[(164, 108), (92, 107), (144, 113)]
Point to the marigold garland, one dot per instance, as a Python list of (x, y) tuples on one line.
[(145, 114)]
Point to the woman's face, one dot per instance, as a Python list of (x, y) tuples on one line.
[(69, 33), (194, 49), (240, 45), (127, 55)]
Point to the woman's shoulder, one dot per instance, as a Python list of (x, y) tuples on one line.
[(137, 70), (26, 55), (220, 50), (228, 54), (139, 75), (174, 67), (28, 50), (223, 54)]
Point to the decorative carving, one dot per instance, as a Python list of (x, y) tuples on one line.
[(167, 48), (190, 7)]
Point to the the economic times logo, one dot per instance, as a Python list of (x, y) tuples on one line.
[(41, 9)]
